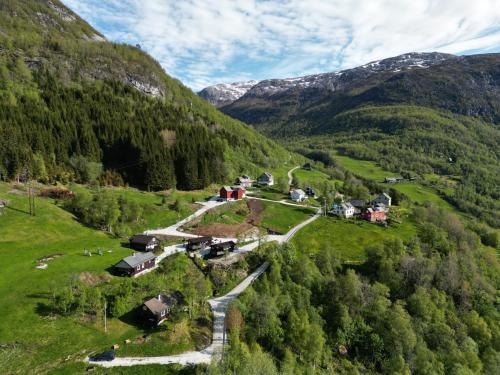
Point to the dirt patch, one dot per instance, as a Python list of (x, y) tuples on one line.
[(224, 230), (89, 278), (256, 209), (142, 339)]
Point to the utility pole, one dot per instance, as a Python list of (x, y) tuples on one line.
[(33, 199), (105, 323)]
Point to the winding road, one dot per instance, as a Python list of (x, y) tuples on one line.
[(218, 305)]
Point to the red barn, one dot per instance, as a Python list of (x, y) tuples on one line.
[(226, 192), (373, 216), (232, 193)]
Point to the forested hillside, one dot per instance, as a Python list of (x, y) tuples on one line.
[(424, 306), (74, 106)]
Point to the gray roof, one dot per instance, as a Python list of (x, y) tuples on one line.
[(357, 202), (266, 175), (135, 260)]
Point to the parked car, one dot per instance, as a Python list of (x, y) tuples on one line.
[(107, 356)]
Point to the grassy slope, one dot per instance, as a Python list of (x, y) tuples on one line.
[(347, 238), (281, 218), (24, 290)]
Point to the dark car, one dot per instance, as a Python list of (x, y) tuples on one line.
[(108, 355)]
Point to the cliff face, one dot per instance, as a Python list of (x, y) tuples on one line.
[(48, 35)]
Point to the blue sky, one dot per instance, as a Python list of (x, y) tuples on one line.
[(204, 42)]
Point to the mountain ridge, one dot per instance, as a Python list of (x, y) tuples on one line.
[(221, 95)]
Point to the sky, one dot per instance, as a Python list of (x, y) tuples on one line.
[(205, 42)]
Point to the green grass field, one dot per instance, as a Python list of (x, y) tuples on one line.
[(38, 342), (281, 218), (348, 239), (312, 178)]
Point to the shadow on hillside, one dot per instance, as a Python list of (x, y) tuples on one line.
[(134, 318), (17, 210), (38, 295), (44, 309)]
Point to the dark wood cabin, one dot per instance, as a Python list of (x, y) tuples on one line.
[(219, 249), (199, 243), (142, 242), (135, 264), (158, 309)]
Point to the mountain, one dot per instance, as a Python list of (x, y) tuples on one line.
[(226, 93), (71, 100)]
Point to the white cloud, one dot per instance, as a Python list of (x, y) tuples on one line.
[(204, 42)]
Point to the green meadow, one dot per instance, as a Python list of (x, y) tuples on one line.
[(347, 239)]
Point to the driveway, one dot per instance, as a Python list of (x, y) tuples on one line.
[(219, 307)]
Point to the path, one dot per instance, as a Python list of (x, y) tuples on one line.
[(290, 174), (219, 306), (173, 230)]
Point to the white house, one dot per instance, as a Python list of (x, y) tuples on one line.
[(383, 198), (343, 210), (244, 181), (266, 179), (297, 195)]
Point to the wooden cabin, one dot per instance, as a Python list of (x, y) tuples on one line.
[(198, 243), (142, 242), (135, 264), (219, 249)]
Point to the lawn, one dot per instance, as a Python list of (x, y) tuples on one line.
[(348, 239), (281, 218), (314, 178), (37, 341)]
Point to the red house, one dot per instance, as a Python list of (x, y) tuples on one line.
[(372, 215), (232, 193)]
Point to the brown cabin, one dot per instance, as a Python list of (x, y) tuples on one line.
[(142, 242), (219, 249), (199, 243), (135, 264), (158, 309)]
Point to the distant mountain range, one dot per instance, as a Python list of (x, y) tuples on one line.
[(226, 93), (467, 85)]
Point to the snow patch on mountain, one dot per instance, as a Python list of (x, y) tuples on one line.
[(225, 94)]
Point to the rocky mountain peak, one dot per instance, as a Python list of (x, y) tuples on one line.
[(225, 94)]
